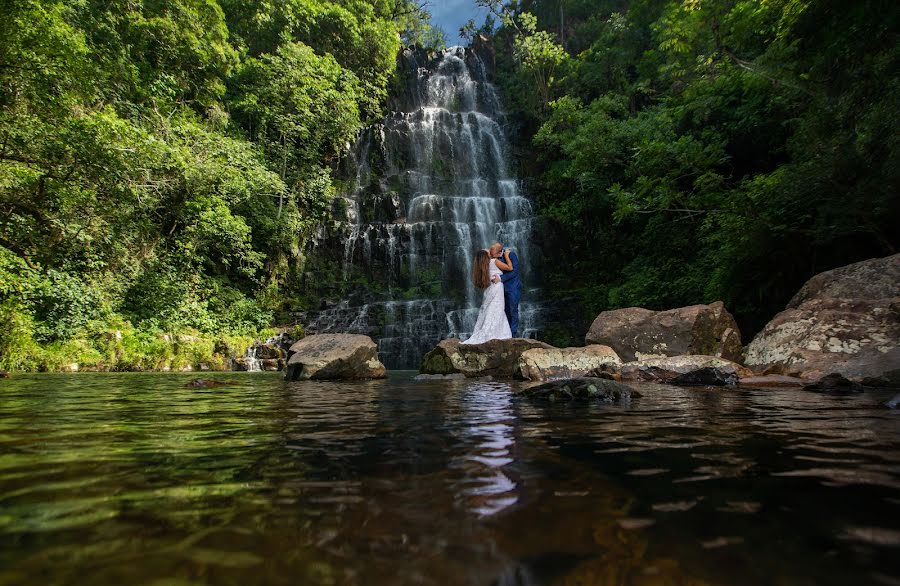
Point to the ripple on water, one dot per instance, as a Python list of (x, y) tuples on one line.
[(135, 479)]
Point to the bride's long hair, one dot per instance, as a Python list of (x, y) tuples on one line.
[(481, 274)]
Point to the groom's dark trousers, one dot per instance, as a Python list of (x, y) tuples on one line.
[(512, 293)]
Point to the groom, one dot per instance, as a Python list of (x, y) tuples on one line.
[(512, 287)]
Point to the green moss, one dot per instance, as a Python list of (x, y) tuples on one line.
[(441, 168)]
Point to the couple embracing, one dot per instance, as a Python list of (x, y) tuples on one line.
[(496, 272)]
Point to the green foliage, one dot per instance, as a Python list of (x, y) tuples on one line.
[(168, 52), (538, 54), (723, 149), (163, 163), (302, 108), (18, 348), (361, 36)]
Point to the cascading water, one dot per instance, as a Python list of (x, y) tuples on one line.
[(251, 360), (432, 185)]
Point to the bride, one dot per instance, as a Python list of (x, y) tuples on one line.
[(492, 323)]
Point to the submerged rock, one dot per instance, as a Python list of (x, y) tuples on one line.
[(636, 333), (893, 402), (665, 370), (846, 321), (334, 356), (454, 376), (708, 376), (497, 358), (582, 389), (202, 383), (771, 380), (540, 364), (834, 383)]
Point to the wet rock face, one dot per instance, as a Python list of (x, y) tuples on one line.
[(264, 356), (268, 357), (334, 356), (845, 321), (582, 389), (540, 364), (420, 193), (497, 358), (636, 333)]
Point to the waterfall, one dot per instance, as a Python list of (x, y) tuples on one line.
[(251, 359), (431, 184)]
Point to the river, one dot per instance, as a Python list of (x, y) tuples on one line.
[(135, 479)]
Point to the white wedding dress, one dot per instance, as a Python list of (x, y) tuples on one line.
[(492, 323)]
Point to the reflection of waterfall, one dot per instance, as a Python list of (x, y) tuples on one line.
[(484, 487), (431, 185)]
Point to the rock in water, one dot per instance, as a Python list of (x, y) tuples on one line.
[(636, 333), (771, 380), (4, 374), (845, 321), (454, 376), (202, 383), (582, 389), (498, 358), (333, 356), (665, 370), (835, 384), (893, 402), (708, 376), (540, 364)]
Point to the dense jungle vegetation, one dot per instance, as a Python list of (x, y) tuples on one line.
[(163, 161), (695, 150)]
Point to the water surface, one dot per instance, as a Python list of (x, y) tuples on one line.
[(135, 479)]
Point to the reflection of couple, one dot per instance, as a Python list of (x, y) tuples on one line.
[(496, 272)]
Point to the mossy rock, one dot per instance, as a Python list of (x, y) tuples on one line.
[(584, 389)]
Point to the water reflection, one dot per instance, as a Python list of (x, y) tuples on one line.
[(485, 427), (133, 479)]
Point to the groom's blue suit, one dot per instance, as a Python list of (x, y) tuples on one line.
[(512, 293)]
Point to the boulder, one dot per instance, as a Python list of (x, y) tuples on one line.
[(540, 364), (271, 364), (498, 358), (707, 376), (333, 356), (844, 321), (582, 389), (269, 352), (665, 370), (636, 333), (835, 384)]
